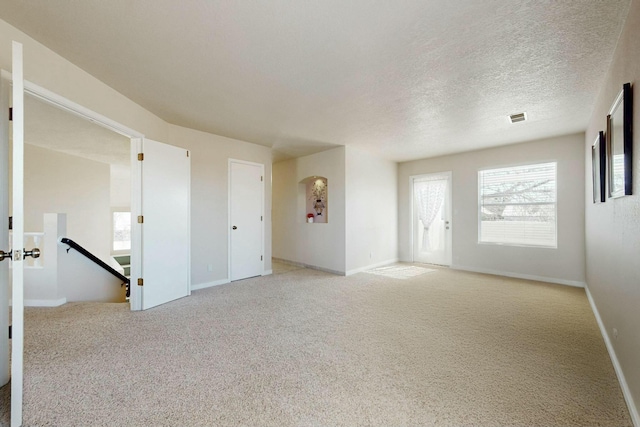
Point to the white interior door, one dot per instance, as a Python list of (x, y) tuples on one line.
[(17, 290), (246, 201), (432, 242), (5, 87), (165, 207)]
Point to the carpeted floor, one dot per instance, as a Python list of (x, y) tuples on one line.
[(306, 348), (400, 271)]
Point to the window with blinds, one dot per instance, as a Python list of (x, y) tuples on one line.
[(518, 205)]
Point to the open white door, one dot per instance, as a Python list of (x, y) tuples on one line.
[(246, 201), (5, 87), (17, 292), (432, 228), (163, 256)]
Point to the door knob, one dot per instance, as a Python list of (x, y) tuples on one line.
[(234, 228), (34, 253)]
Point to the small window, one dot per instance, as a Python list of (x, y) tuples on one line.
[(518, 205), (121, 231)]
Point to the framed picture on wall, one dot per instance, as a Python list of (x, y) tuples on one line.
[(620, 143), (599, 168)]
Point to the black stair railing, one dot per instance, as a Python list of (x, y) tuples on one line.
[(92, 257)]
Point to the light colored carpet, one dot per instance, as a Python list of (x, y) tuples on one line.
[(400, 271), (306, 348)]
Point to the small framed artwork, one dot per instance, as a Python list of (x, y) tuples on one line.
[(620, 143), (599, 168)]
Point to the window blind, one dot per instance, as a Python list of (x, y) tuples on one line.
[(518, 205)]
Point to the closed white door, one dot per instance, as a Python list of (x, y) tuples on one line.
[(246, 201), (166, 199), (432, 223)]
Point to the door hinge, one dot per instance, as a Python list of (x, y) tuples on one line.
[(187, 153), (10, 223), (9, 331), (260, 178), (260, 217), (10, 113), (140, 157), (260, 257), (140, 219), (140, 282)]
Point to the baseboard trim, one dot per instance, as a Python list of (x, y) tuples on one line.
[(206, 285), (313, 267), (42, 302), (633, 409), (565, 282), (371, 266), (289, 262)]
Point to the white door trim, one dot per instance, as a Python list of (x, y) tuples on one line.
[(412, 178), (230, 161)]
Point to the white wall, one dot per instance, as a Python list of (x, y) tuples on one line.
[(371, 210), (613, 227), (120, 186), (566, 264), (317, 245), (210, 152), (57, 182)]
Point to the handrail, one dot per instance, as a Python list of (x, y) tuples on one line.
[(92, 257)]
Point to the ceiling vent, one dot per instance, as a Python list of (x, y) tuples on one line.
[(520, 117)]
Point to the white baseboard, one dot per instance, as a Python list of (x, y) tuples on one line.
[(633, 409), (313, 267), (288, 262), (565, 282), (42, 302), (371, 266), (267, 272), (209, 284)]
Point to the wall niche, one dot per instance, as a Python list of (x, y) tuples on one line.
[(316, 200)]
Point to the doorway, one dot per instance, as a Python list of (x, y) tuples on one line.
[(431, 222)]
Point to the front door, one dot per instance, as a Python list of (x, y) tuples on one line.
[(246, 201), (165, 224), (432, 223)]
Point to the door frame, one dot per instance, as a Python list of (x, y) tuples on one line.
[(412, 179), (244, 162), (78, 110)]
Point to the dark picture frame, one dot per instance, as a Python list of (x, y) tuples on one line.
[(620, 143), (599, 168)]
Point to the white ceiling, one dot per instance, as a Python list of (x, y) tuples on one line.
[(404, 79)]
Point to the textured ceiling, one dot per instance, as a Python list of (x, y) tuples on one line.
[(405, 80)]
